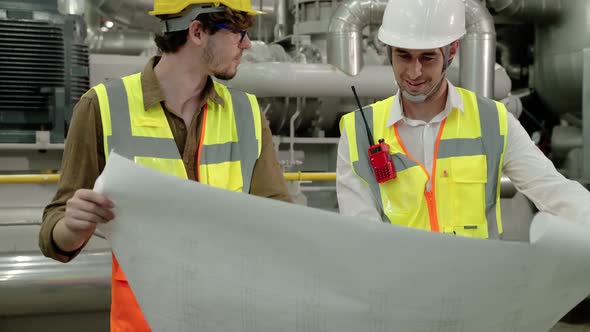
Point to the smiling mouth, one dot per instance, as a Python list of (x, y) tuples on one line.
[(414, 86)]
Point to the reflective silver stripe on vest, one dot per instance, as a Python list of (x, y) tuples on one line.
[(122, 141), (218, 153), (460, 147), (247, 140), (363, 167), (493, 146)]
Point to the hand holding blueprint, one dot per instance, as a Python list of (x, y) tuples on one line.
[(203, 259)]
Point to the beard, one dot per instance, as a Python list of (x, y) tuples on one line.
[(215, 63)]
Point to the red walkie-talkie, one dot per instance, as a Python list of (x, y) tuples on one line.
[(379, 156)]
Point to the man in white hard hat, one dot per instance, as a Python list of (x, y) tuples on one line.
[(444, 148)]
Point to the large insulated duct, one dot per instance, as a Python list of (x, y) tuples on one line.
[(33, 284), (322, 80), (478, 50), (120, 42), (129, 13), (528, 10), (124, 42), (345, 33)]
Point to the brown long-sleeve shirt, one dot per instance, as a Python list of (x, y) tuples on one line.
[(84, 159)]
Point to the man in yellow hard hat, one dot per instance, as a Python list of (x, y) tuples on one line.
[(444, 148), (171, 117)]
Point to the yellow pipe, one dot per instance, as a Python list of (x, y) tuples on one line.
[(52, 178), (309, 176), (29, 178)]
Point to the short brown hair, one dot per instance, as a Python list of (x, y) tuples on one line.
[(171, 42)]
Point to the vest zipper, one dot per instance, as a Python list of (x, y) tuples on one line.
[(429, 195), (432, 215)]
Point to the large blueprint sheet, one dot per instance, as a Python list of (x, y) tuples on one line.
[(203, 259)]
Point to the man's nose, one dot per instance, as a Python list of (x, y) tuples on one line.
[(415, 70)]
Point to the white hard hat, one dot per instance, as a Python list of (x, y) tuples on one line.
[(422, 24)]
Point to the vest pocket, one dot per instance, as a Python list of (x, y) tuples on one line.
[(227, 175), (468, 183)]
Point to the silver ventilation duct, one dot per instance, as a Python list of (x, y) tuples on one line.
[(345, 33), (478, 50), (529, 10), (129, 13), (33, 284), (121, 42), (125, 42)]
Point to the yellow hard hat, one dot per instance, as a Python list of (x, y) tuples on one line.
[(171, 7)]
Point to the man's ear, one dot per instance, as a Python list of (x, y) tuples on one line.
[(196, 33), (454, 49)]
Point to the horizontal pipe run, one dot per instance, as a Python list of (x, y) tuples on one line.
[(53, 178)]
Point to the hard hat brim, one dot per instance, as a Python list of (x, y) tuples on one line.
[(172, 11), (417, 43)]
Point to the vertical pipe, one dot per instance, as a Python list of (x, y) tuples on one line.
[(292, 132), (478, 50), (281, 26), (259, 19), (586, 117), (345, 33)]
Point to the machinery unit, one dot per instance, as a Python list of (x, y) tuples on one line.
[(43, 70)]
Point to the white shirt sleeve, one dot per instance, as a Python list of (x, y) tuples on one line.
[(354, 196), (534, 175)]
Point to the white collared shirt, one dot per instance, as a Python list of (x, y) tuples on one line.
[(530, 171)]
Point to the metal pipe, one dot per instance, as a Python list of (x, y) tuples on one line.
[(345, 33), (52, 178), (31, 146), (478, 50), (322, 80), (126, 42), (292, 132), (564, 139), (317, 188), (514, 71), (310, 176), (507, 188), (280, 30), (529, 10), (129, 13), (71, 7), (29, 178), (33, 284)]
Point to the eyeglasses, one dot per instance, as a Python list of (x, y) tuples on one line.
[(242, 33)]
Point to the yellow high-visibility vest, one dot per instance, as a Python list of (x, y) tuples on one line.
[(464, 198), (230, 145)]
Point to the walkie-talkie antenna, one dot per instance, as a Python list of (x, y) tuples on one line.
[(369, 134)]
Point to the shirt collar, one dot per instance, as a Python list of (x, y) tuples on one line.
[(152, 91), (453, 101)]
